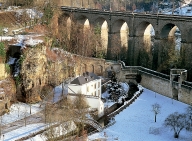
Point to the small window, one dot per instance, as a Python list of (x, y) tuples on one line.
[(99, 84), (95, 85)]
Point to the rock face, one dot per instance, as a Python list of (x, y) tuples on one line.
[(7, 94), (40, 67), (43, 68)]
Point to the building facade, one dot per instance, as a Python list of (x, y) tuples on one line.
[(89, 85)]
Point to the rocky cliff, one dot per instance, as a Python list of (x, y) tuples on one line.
[(41, 67)]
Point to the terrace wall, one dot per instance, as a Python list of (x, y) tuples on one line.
[(155, 81)]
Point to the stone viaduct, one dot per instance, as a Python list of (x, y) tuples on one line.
[(163, 25)]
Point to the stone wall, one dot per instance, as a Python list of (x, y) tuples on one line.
[(186, 94), (155, 81)]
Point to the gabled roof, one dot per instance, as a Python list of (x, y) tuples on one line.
[(85, 78)]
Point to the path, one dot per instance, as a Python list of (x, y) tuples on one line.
[(35, 118)]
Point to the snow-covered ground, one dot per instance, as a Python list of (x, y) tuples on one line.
[(136, 122), (19, 111), (184, 11)]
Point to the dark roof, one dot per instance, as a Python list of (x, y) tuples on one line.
[(85, 78)]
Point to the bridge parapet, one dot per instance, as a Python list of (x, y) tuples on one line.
[(157, 82), (137, 69)]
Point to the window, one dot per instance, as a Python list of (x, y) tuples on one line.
[(99, 84), (87, 88), (95, 93), (95, 85), (99, 93)]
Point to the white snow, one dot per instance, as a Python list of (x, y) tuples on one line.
[(60, 92), (184, 10), (23, 132), (27, 40), (19, 111), (6, 38), (11, 60), (136, 122)]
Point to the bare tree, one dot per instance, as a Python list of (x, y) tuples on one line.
[(176, 122), (81, 108), (156, 108), (59, 118)]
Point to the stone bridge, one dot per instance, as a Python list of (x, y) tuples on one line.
[(135, 25), (137, 22)]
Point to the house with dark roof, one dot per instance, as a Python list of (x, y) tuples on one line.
[(88, 84)]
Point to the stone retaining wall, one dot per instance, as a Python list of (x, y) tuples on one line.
[(156, 81)]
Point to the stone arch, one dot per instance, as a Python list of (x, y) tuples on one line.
[(91, 68), (62, 20), (99, 21), (102, 24), (116, 25), (83, 22), (83, 68), (167, 30), (168, 47), (148, 38), (81, 19), (65, 23), (119, 39), (141, 46), (99, 70), (172, 33), (188, 35), (141, 27)]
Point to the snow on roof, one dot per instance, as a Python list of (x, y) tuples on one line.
[(85, 78)]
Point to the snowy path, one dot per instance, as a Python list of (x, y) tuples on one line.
[(35, 118), (23, 131)]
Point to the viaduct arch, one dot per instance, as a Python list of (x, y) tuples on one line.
[(136, 24)]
